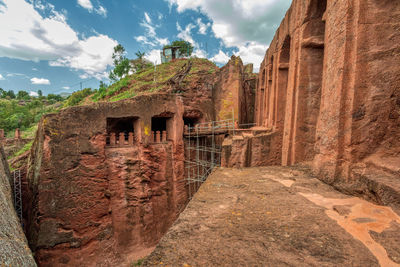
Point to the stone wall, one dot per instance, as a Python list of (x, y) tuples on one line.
[(329, 86), (14, 250), (234, 92), (93, 203)]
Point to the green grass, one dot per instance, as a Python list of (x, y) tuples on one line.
[(30, 132), (151, 79), (139, 262), (25, 148)]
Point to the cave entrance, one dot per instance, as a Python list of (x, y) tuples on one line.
[(123, 127), (190, 121)]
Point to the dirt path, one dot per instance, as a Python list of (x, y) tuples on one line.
[(277, 216)]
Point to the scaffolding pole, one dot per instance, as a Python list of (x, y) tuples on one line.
[(202, 152), (18, 194)]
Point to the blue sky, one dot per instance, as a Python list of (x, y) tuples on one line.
[(53, 45)]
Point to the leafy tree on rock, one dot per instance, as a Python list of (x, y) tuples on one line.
[(121, 64)]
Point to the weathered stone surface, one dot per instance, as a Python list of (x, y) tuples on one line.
[(329, 86), (250, 148), (14, 250), (97, 204), (234, 92), (277, 216)]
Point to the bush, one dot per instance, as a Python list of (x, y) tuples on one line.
[(77, 97)]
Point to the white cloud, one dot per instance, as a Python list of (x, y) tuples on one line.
[(40, 81), (66, 87), (150, 37), (186, 34), (147, 17), (1, 77), (221, 57), (238, 23), (32, 93), (50, 38), (17, 74), (153, 56), (86, 4), (94, 55), (202, 26), (197, 52), (101, 11), (252, 52)]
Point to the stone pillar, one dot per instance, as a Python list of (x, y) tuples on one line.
[(17, 134), (1, 134), (130, 139), (158, 137), (121, 139), (112, 139), (164, 136), (152, 137)]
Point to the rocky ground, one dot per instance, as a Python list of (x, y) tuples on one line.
[(278, 216)]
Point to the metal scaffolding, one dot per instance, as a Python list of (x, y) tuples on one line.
[(203, 150), (18, 194)]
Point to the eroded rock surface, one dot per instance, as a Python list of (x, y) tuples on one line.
[(96, 202), (14, 250), (329, 88), (277, 216)]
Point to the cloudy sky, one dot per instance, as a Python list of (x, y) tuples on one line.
[(53, 45)]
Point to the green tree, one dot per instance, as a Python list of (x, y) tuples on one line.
[(3, 93), (10, 94), (40, 93), (54, 97), (121, 64), (140, 54), (23, 95), (140, 63), (185, 47)]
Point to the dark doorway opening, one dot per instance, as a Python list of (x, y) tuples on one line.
[(190, 121), (120, 125), (159, 124)]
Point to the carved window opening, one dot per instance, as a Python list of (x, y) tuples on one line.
[(161, 127), (121, 131)]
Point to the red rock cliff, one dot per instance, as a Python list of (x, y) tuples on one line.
[(98, 203), (329, 86)]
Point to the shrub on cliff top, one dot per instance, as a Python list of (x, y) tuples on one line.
[(77, 97)]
